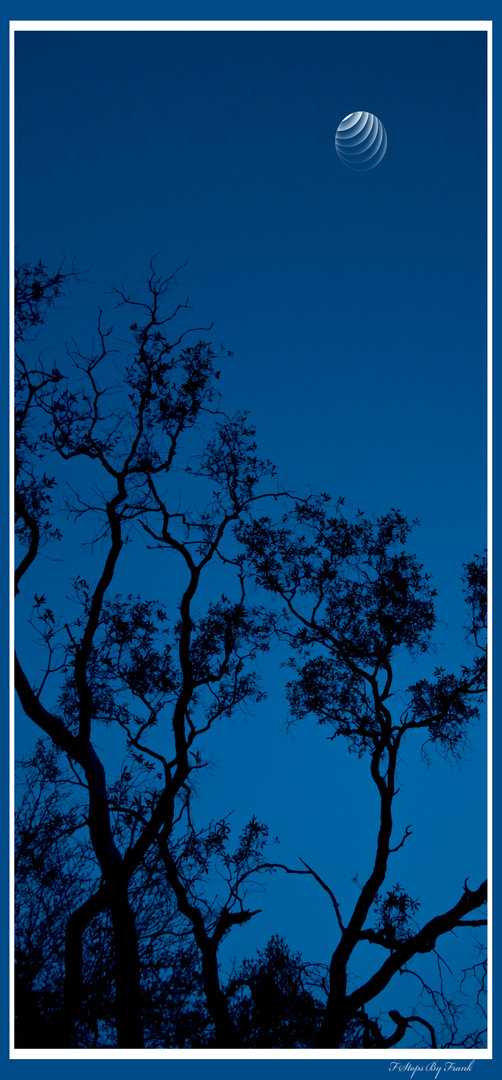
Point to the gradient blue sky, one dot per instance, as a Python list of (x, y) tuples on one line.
[(354, 303)]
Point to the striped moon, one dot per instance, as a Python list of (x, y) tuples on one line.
[(361, 141)]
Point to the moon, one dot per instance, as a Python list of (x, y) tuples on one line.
[(361, 141)]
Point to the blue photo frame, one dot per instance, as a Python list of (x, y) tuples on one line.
[(275, 1069)]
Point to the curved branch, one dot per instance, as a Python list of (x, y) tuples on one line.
[(21, 511), (329, 892), (422, 942)]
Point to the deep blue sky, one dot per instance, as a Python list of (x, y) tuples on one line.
[(355, 304)]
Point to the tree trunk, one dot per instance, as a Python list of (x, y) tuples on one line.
[(73, 986), (227, 1036), (127, 971), (333, 1026)]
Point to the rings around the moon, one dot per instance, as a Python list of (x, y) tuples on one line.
[(361, 141)]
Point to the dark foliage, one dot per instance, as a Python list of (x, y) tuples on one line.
[(124, 897)]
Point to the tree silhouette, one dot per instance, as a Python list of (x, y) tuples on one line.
[(55, 865), (121, 660), (354, 600), (128, 451)]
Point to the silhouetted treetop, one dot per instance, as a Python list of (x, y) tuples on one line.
[(181, 562)]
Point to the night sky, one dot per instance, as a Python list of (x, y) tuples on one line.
[(355, 306), (355, 303)]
